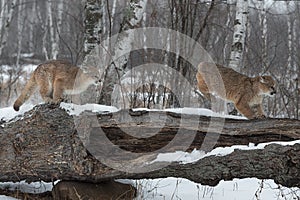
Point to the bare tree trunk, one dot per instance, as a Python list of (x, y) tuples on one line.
[(57, 27), (2, 21), (124, 44), (20, 27), (93, 29), (292, 72), (227, 47), (51, 26), (264, 25), (13, 73), (54, 27), (290, 23), (33, 21), (239, 35), (6, 13), (45, 30)]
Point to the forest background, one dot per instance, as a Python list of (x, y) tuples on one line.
[(32, 31)]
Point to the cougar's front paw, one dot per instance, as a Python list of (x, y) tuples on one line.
[(261, 117)]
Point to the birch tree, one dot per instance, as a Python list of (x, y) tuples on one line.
[(227, 24), (264, 26), (6, 12), (292, 75), (20, 27), (291, 23), (92, 22), (55, 36), (45, 30), (134, 14), (239, 35), (33, 20), (51, 26), (54, 27)]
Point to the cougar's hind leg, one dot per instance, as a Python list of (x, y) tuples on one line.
[(45, 92), (203, 87), (58, 91)]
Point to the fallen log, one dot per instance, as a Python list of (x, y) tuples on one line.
[(48, 144)]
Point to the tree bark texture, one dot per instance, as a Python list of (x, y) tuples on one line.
[(239, 35), (92, 25), (119, 54), (44, 144)]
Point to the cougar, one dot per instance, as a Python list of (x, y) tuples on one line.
[(245, 92), (54, 79)]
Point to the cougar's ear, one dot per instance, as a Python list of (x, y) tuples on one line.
[(90, 70), (262, 79)]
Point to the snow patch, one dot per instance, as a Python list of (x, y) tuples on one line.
[(193, 111), (76, 110), (195, 155), (180, 156), (237, 189), (33, 188), (3, 197), (8, 113)]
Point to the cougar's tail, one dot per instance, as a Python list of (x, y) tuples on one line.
[(26, 93)]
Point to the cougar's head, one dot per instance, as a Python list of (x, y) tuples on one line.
[(267, 85), (92, 74)]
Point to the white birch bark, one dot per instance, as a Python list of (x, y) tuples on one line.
[(2, 10), (290, 42), (123, 45), (6, 13), (113, 12), (227, 46), (291, 64), (264, 27), (50, 20), (249, 32), (51, 28), (20, 26), (45, 30), (125, 40), (93, 25), (33, 19), (294, 46), (55, 42), (240, 25)]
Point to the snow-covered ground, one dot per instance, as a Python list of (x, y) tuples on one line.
[(179, 188), (238, 189), (176, 188)]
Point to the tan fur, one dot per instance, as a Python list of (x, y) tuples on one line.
[(245, 92), (54, 79)]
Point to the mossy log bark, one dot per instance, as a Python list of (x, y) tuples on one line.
[(48, 144)]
